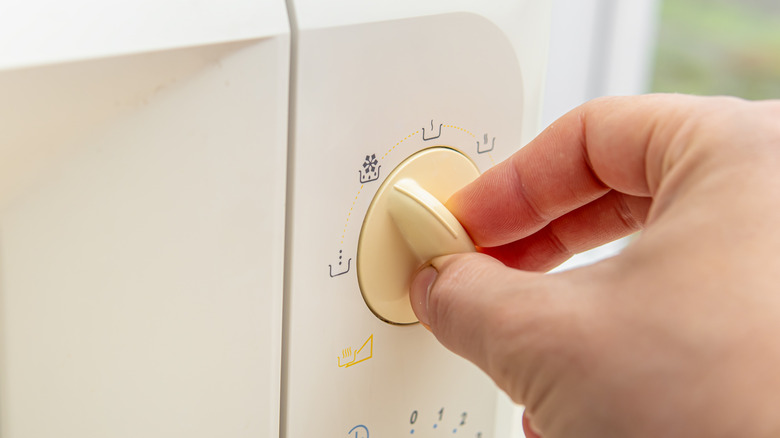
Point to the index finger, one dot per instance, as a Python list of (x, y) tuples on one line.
[(617, 143)]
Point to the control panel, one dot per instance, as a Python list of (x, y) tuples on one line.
[(380, 375), (388, 117)]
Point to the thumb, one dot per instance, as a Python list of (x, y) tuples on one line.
[(518, 326)]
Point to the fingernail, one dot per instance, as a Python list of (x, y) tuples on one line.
[(528, 429), (421, 287)]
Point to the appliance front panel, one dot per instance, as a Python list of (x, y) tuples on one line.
[(368, 96)]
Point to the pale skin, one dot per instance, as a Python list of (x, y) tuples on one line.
[(679, 335)]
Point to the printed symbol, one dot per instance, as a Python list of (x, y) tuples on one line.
[(370, 170), (430, 133), (340, 269), (484, 147), (358, 431), (351, 357)]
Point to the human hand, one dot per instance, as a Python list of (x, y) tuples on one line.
[(679, 335)]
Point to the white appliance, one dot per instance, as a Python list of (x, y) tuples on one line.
[(182, 186)]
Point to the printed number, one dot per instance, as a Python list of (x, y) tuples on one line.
[(479, 434), (463, 418), (441, 413), (413, 418)]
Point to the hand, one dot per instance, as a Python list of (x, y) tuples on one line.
[(679, 335)]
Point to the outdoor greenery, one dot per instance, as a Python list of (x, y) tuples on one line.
[(711, 47)]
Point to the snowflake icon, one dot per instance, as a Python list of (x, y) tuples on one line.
[(370, 171), (370, 164)]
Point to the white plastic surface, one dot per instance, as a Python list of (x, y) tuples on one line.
[(525, 23), (141, 235), (34, 32)]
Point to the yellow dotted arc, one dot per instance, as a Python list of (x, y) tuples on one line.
[(349, 214), (404, 139), (344, 233), (461, 129)]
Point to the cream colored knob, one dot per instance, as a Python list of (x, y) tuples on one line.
[(428, 228), (406, 225)]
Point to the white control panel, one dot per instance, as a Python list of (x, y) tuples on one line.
[(368, 95)]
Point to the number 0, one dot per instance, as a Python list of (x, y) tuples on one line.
[(413, 418)]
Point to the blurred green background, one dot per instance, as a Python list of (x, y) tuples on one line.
[(711, 47)]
